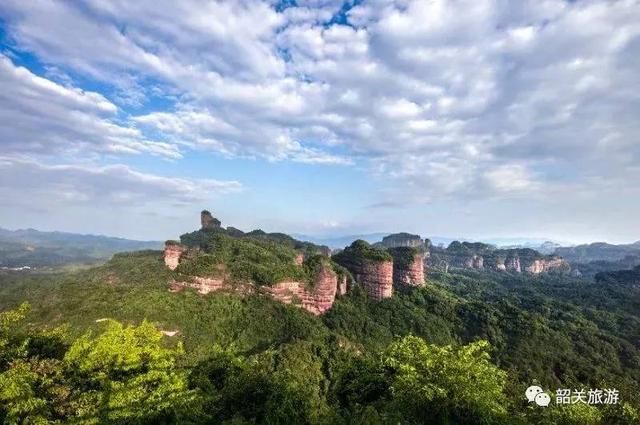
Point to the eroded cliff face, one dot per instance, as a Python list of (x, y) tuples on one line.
[(372, 268), (342, 285), (317, 299), (408, 267), (376, 278), (208, 222), (397, 240), (193, 269), (172, 253), (478, 255), (512, 264), (549, 265), (206, 285)]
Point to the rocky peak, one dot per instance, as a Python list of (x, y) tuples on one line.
[(208, 222)]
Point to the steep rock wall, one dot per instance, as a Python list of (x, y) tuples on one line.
[(172, 253), (376, 278), (316, 300), (372, 268), (396, 240), (342, 285), (512, 260), (512, 264), (408, 267)]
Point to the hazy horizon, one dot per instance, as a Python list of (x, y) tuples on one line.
[(436, 239), (481, 119)]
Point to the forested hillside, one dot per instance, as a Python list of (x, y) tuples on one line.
[(463, 349)]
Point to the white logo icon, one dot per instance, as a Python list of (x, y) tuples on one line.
[(536, 394)]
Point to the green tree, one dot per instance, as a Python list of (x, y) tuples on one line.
[(123, 375), (126, 375), (446, 384)]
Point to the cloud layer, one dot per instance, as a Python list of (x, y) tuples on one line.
[(112, 185), (464, 99)]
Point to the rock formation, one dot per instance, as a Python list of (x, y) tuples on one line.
[(512, 264), (402, 239), (482, 256), (208, 222), (377, 279), (408, 267), (371, 267), (317, 299), (342, 285), (197, 268), (172, 253)]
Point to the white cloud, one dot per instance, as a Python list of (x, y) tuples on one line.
[(27, 182), (447, 97), (39, 116)]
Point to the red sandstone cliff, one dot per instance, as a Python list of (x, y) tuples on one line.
[(411, 274), (376, 278), (207, 221), (172, 253), (372, 268), (316, 300)]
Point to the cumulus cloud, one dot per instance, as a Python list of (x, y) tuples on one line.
[(446, 97), (40, 116)]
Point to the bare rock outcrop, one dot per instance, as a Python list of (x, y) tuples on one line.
[(317, 299), (477, 255), (372, 268), (408, 267), (396, 240), (209, 222), (342, 285), (207, 260), (377, 279), (555, 264), (172, 253), (512, 264)]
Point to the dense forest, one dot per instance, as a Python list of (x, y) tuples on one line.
[(112, 345)]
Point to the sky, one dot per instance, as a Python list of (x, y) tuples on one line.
[(465, 118)]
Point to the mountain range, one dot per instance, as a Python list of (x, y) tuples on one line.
[(33, 248)]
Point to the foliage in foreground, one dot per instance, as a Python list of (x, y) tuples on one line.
[(123, 375)]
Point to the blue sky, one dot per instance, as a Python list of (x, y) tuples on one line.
[(476, 119)]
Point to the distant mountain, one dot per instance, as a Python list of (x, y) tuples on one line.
[(340, 241), (598, 251), (33, 248), (591, 259), (546, 247)]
